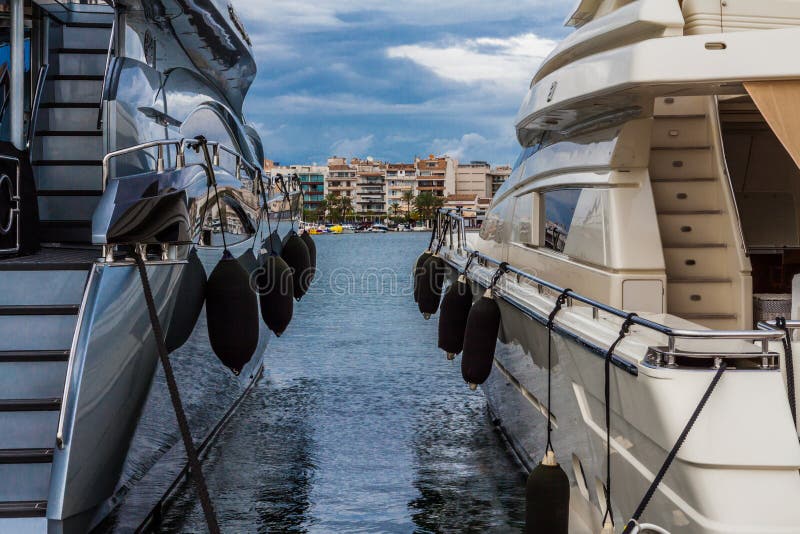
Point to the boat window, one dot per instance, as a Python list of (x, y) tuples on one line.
[(497, 223), (559, 210), (522, 223)]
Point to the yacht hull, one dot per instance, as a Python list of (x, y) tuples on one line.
[(648, 412)]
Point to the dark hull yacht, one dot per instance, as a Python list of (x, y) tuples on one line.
[(121, 135)]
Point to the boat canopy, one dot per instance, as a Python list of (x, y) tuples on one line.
[(779, 103)]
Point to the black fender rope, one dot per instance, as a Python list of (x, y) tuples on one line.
[(623, 332), (674, 452), (433, 233), (560, 301), (175, 396), (780, 322)]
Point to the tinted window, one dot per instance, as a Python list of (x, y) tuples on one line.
[(495, 227), (522, 223), (559, 211)]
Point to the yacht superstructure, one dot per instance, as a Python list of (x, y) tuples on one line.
[(108, 111), (658, 177)]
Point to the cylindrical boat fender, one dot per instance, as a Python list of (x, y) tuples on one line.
[(430, 289), (295, 253), (455, 308), (275, 293), (418, 271), (231, 313), (191, 296), (547, 498), (312, 252), (480, 339)]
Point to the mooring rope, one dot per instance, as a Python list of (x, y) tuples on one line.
[(787, 348), (623, 332), (674, 452), (498, 274), (443, 237), (175, 396), (560, 301), (470, 259), (433, 233)]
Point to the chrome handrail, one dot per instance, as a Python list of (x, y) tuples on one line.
[(111, 42), (37, 100), (180, 145), (760, 336)]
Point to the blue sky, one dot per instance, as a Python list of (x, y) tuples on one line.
[(395, 78)]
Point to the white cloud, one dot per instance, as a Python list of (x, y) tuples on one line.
[(310, 15), (473, 146), (507, 62), (352, 147)]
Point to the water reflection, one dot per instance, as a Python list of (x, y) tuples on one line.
[(360, 424)]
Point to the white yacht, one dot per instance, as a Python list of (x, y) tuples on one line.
[(658, 176)]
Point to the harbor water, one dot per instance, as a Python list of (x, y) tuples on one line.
[(359, 424)]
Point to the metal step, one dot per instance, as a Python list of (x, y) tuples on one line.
[(32, 377), (65, 231), (93, 36), (42, 287), (23, 509), (72, 91), (61, 118), (26, 456), (36, 327), (25, 481), (81, 177), (67, 207), (69, 146)]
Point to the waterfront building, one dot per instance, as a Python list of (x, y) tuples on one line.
[(480, 178), (496, 178), (436, 175), (341, 180), (401, 180), (472, 179), (370, 187), (312, 181)]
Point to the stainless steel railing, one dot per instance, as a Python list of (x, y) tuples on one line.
[(180, 146), (109, 56), (457, 236)]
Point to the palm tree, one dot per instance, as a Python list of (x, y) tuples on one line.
[(346, 205), (333, 203), (427, 204), (408, 198)]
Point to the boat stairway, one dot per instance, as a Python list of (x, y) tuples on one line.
[(699, 246), (68, 148), (40, 297)]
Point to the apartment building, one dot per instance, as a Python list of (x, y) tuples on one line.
[(436, 175), (312, 180), (400, 179), (471, 179), (341, 178), (496, 178), (370, 186), (480, 178)]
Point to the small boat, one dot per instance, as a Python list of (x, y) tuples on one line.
[(658, 180), (379, 229), (336, 229)]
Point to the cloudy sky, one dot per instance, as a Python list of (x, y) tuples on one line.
[(395, 78)]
